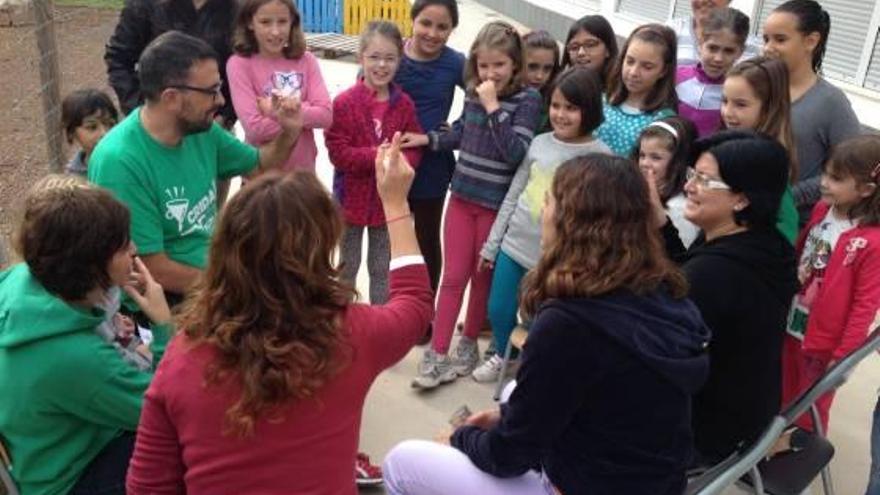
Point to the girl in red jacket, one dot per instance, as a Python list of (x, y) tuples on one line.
[(366, 115), (839, 270)]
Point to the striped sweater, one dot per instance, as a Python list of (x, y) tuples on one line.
[(491, 145)]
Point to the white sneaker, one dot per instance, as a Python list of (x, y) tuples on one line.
[(435, 373), (490, 370)]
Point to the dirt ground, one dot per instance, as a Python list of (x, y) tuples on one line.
[(81, 33)]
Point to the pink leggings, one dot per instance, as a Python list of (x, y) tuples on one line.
[(466, 227)]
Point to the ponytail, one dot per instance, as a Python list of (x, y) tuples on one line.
[(812, 18)]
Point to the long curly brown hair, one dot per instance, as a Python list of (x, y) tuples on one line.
[(271, 301), (604, 237)]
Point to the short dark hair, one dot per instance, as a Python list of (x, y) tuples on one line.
[(599, 27), (69, 234), (451, 5), (167, 61), (581, 87), (83, 103), (755, 165)]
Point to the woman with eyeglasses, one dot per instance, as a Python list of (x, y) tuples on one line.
[(742, 278)]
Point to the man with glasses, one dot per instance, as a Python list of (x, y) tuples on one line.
[(163, 160)]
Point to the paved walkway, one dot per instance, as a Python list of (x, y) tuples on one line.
[(395, 412)]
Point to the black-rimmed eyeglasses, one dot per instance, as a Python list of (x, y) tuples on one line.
[(212, 91)]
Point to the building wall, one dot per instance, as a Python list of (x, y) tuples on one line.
[(854, 33)]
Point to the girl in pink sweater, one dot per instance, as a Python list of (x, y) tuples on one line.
[(270, 56), (368, 114)]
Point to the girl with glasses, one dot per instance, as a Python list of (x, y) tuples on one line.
[(368, 114), (591, 42)]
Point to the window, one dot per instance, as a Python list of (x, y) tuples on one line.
[(682, 9), (848, 56), (593, 5), (655, 10), (872, 79)]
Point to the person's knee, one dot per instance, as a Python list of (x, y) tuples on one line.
[(400, 464)]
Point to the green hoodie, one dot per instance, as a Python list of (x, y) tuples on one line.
[(65, 392)]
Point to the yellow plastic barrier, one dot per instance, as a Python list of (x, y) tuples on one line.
[(360, 12)]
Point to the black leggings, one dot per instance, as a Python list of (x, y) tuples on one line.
[(105, 475), (428, 214)]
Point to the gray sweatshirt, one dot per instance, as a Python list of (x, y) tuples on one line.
[(820, 119), (517, 228)]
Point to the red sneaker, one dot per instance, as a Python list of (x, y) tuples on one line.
[(365, 473)]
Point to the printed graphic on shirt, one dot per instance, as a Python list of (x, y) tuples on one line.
[(540, 180), (288, 83), (816, 260), (377, 127), (818, 247), (197, 217)]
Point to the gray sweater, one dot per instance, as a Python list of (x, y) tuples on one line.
[(517, 228), (820, 119)]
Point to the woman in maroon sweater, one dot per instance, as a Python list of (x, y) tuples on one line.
[(263, 388)]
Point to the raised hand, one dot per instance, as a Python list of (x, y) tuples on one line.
[(288, 112), (148, 294), (488, 95), (394, 176), (657, 208)]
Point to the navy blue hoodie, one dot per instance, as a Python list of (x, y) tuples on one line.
[(603, 397)]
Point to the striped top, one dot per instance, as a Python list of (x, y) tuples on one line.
[(491, 146)]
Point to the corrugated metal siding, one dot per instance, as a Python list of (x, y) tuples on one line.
[(655, 10), (850, 20)]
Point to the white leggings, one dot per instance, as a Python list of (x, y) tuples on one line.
[(419, 467)]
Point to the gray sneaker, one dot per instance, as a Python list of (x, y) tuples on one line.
[(435, 372), (465, 357), (428, 360)]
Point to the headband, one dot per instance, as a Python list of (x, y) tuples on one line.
[(671, 130)]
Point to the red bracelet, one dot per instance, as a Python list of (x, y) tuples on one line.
[(401, 217)]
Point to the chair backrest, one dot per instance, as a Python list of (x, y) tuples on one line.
[(716, 479), (835, 376), (6, 482)]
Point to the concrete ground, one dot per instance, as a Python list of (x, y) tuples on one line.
[(395, 412)]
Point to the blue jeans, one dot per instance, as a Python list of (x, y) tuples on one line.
[(504, 299), (874, 474), (105, 475)]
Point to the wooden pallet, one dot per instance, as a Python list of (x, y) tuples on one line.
[(332, 45)]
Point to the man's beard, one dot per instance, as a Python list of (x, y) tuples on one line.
[(188, 127)]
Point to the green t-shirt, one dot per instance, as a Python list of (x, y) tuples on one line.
[(171, 191)]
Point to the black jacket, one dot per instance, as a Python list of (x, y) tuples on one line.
[(602, 402), (743, 284), (141, 21)]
